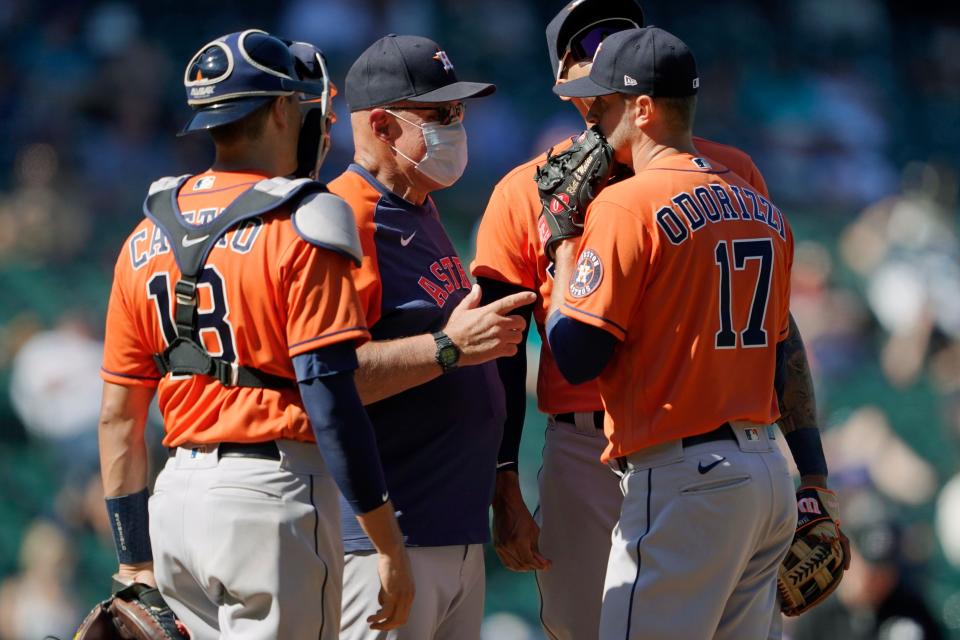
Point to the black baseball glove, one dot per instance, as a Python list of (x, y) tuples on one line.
[(815, 562), (567, 183), (135, 612)]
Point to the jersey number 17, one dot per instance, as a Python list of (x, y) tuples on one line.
[(754, 335)]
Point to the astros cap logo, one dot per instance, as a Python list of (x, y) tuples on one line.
[(441, 56)]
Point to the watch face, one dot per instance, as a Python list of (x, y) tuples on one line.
[(449, 355)]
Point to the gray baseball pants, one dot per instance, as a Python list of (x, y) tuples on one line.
[(448, 604), (702, 532), (580, 502), (249, 547)]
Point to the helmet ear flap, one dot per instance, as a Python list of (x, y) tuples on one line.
[(314, 142)]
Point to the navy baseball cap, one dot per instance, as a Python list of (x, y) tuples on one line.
[(232, 76), (411, 68), (582, 25), (646, 61)]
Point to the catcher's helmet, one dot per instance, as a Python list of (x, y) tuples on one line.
[(230, 77)]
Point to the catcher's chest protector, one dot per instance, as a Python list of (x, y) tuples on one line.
[(191, 245)]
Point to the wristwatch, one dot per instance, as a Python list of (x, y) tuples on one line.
[(447, 355)]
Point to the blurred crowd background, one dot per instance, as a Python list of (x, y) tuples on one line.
[(851, 109)]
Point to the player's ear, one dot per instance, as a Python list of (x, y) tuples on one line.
[(380, 123), (643, 108)]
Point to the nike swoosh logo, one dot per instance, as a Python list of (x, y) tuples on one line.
[(189, 242), (705, 469), (503, 464), (405, 241)]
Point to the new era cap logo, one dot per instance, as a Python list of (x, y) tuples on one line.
[(441, 56), (696, 83), (628, 81)]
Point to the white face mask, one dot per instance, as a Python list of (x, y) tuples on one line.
[(446, 157)]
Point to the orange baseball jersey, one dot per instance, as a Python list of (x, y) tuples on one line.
[(689, 267), (509, 250), (265, 295)]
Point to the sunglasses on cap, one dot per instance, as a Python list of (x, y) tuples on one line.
[(583, 45), (449, 114)]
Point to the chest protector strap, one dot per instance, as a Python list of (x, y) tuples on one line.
[(191, 245)]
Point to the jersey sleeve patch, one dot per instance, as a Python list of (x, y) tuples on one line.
[(327, 221), (588, 274)]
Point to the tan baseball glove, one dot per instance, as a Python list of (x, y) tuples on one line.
[(135, 612), (815, 562)]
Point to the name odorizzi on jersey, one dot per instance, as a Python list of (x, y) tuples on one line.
[(715, 203)]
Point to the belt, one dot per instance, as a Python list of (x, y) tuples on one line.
[(264, 450), (723, 432), (571, 418)]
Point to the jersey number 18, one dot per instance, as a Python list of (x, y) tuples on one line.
[(210, 318)]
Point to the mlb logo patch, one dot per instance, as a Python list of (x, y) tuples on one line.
[(200, 451), (205, 182), (702, 164), (752, 434)]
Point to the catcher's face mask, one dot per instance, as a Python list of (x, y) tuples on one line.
[(317, 111)]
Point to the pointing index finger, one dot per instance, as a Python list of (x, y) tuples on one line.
[(507, 304)]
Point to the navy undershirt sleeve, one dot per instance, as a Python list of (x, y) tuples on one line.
[(580, 350), (513, 375), (343, 430)]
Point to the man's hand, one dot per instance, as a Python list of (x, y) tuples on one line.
[(396, 590), (516, 535), (820, 482), (141, 572), (396, 575), (489, 332)]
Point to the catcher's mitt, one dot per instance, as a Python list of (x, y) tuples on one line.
[(814, 564), (135, 612), (567, 183)]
